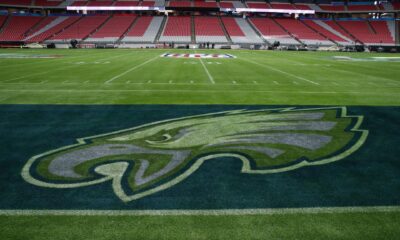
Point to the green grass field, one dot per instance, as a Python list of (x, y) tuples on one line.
[(142, 77), (254, 77)]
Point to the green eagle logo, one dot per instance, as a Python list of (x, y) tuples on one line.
[(143, 160)]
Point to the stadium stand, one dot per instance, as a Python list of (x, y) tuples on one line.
[(16, 2), (323, 29), (143, 30), (272, 32), (300, 31), (240, 31), (121, 3), (81, 29), (204, 4), (365, 33), (209, 29), (47, 3), (112, 30), (180, 4), (17, 26), (54, 27), (203, 24), (177, 29)]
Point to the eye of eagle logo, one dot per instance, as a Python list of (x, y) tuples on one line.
[(143, 160)]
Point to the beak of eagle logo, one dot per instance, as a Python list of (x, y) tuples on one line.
[(144, 160)]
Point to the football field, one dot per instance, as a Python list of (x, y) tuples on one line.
[(199, 144), (252, 77)]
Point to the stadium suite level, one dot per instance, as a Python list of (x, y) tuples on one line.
[(259, 23)]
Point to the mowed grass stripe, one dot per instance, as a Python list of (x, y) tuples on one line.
[(280, 71), (344, 76), (67, 56), (54, 67), (363, 68), (131, 69), (366, 226)]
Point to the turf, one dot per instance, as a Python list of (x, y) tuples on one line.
[(292, 226), (254, 77)]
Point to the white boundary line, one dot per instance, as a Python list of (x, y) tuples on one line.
[(208, 212), (280, 71), (131, 69)]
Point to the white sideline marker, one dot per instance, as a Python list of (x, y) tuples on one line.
[(131, 69), (219, 212)]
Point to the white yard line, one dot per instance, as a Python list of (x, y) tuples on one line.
[(206, 70), (217, 212), (280, 71), (131, 69)]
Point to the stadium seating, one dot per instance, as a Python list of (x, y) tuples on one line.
[(282, 6), (240, 31), (204, 4), (17, 26), (177, 29), (3, 19), (209, 29), (271, 31), (100, 3), (82, 28), (121, 3), (113, 29), (302, 32), (226, 5), (338, 30), (332, 8), (361, 8), (57, 25), (180, 4), (366, 34), (144, 30), (257, 5), (325, 30), (47, 3), (16, 2)]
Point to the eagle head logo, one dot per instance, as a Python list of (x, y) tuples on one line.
[(144, 160)]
